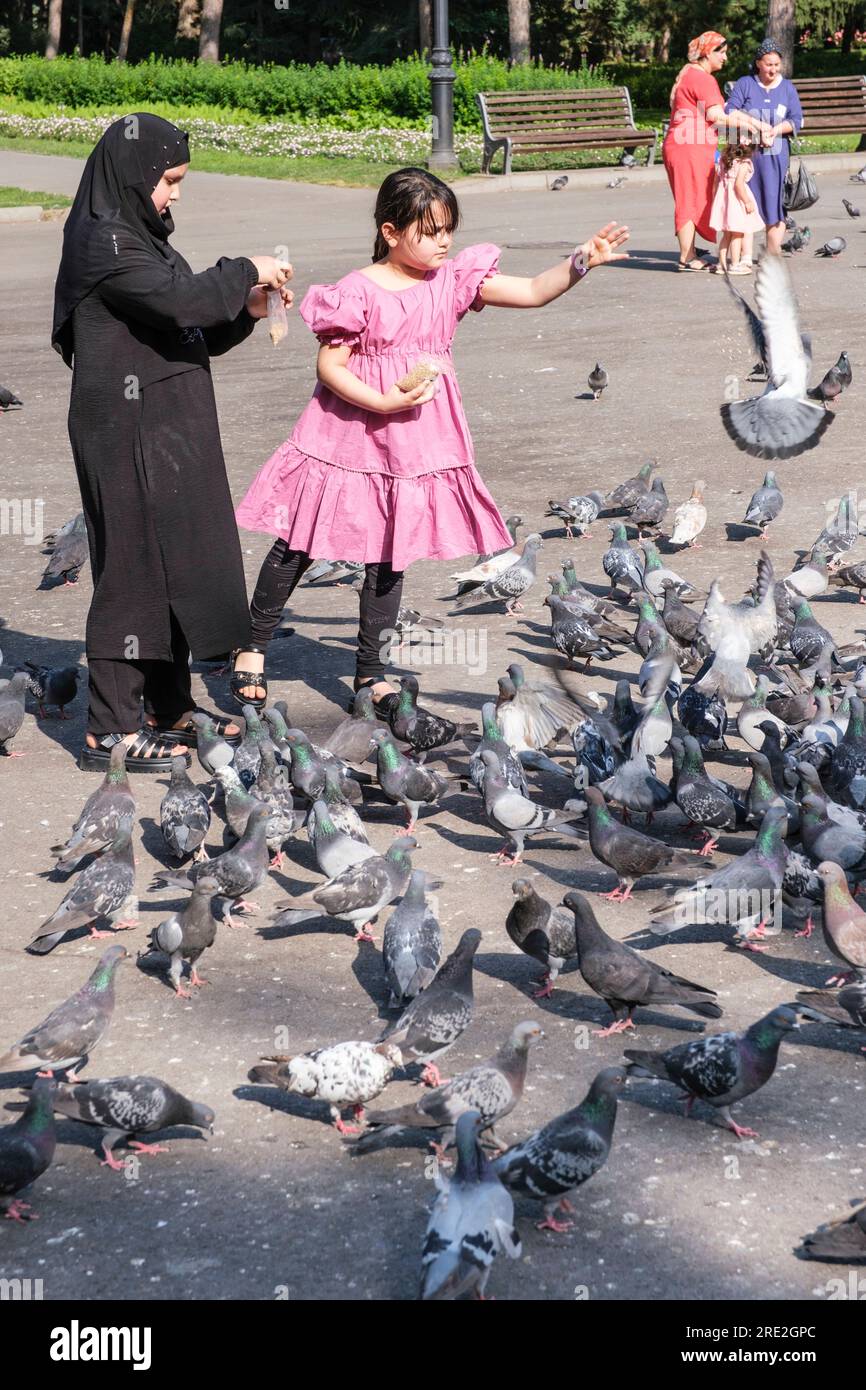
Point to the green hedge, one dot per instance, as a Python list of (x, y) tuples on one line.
[(359, 95), (650, 85)]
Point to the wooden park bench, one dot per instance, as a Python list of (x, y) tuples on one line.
[(594, 118), (833, 105)]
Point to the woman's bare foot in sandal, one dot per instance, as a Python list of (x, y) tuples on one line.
[(253, 663), (159, 750), (230, 731)]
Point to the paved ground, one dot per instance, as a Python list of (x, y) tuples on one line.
[(270, 1205)]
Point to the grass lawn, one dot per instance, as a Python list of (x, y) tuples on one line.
[(21, 197)]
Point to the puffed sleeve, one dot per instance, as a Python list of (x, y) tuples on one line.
[(471, 268), (795, 110), (337, 314)]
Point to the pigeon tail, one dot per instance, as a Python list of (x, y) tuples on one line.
[(775, 427)]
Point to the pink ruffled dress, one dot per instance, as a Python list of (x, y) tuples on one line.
[(350, 484), (727, 213)]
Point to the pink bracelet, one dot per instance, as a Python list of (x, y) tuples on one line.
[(578, 262)]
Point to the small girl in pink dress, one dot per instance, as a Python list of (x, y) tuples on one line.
[(371, 472), (734, 212)]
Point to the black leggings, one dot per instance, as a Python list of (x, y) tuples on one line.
[(117, 688), (380, 603)]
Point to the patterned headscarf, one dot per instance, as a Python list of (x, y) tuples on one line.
[(767, 46), (704, 44)]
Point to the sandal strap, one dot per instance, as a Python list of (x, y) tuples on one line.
[(147, 739)]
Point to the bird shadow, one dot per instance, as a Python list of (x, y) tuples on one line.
[(735, 532), (284, 1102)]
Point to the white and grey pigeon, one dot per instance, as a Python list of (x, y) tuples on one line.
[(471, 1222), (577, 512), (335, 850), (516, 816), (54, 685), (783, 422), (71, 1031), (104, 888), (493, 1088), (107, 810), (184, 814), (488, 566), (411, 943), (556, 1159), (765, 504), (358, 894), (492, 741), (435, 1019), (510, 584), (125, 1105), (343, 1074)]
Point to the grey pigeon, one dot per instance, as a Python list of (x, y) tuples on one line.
[(701, 799), (515, 816), (237, 800), (74, 523), (412, 724), (801, 237), (352, 740), (72, 1030), (626, 494), (850, 208), (489, 565), (104, 888), (542, 931), (634, 786), (531, 714), (187, 935), (358, 894), (212, 749), (723, 1068), (627, 979), (649, 511), (597, 380), (832, 248), (105, 812), (26, 1150), (559, 182), (344, 1074), (859, 177), (184, 814), (248, 754), (342, 814), (435, 1019), (782, 422), (851, 577), (846, 780), (54, 685), (272, 788), (765, 505), (574, 635), (555, 1160), (842, 532), (404, 781), (12, 708), (842, 1241), (492, 741), (577, 512), (629, 853), (655, 572), (472, 1221), (68, 556), (831, 386), (845, 1007), (510, 584), (238, 871), (125, 1105), (309, 764), (621, 564), (8, 399), (493, 1088), (335, 850), (411, 943)]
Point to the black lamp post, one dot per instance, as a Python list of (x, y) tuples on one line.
[(442, 85)]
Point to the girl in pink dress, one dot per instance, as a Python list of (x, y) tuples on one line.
[(734, 211), (372, 472)]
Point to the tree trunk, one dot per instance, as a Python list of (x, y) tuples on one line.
[(126, 30), (848, 28), (780, 27), (663, 45), (55, 15), (211, 19), (188, 19), (425, 27), (518, 30)]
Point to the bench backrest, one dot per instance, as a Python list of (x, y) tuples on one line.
[(568, 109), (827, 96)]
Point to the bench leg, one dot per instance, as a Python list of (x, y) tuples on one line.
[(490, 148), (862, 146), (651, 153)]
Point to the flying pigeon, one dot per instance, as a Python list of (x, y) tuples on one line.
[(26, 1150), (343, 1074), (54, 685), (471, 1222), (435, 1019), (124, 1105), (411, 943), (557, 1159), (187, 935), (597, 380), (723, 1068), (65, 1039), (104, 888), (493, 1088), (782, 422)]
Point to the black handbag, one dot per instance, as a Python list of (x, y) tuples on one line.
[(800, 192)]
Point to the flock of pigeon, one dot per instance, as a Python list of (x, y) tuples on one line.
[(761, 668)]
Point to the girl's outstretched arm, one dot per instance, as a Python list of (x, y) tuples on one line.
[(519, 292)]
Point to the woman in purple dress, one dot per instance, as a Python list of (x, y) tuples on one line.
[(769, 97)]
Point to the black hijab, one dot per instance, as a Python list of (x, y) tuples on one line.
[(114, 202)]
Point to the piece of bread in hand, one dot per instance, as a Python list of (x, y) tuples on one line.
[(420, 375)]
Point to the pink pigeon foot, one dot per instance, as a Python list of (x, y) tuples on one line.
[(98, 935), (708, 846), (618, 1027), (147, 1148), (16, 755), (565, 1204), (808, 929), (342, 1128), (431, 1076), (197, 980), (243, 906), (16, 1209), (743, 1133), (546, 988), (277, 861), (550, 1223), (181, 991), (111, 1162), (47, 1073)]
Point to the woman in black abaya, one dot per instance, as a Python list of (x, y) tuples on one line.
[(139, 329)]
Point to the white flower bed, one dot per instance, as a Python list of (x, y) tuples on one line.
[(276, 138)]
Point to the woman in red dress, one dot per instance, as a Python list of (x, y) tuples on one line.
[(689, 149)]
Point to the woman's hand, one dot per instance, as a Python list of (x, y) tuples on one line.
[(396, 400), (257, 301), (272, 273), (601, 248)]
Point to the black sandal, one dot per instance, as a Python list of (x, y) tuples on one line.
[(188, 732), (238, 680), (383, 707), (139, 754)]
